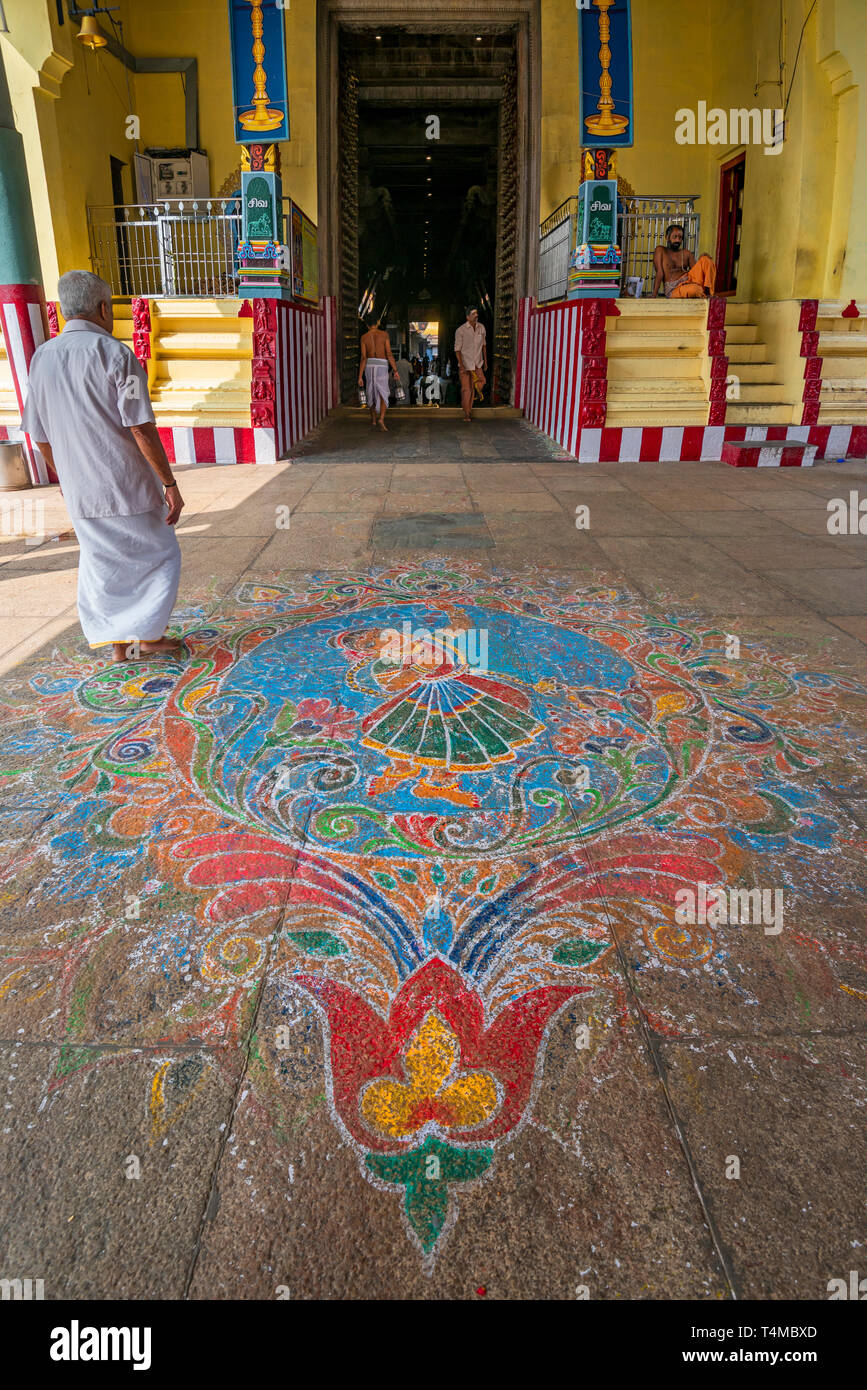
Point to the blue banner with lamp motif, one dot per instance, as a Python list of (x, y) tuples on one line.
[(260, 93), (605, 88)]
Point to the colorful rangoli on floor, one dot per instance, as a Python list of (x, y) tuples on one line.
[(426, 851)]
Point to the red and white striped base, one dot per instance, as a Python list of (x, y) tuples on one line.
[(555, 351), (204, 444), (306, 360), (658, 444)]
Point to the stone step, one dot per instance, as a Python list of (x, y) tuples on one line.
[(762, 413), (846, 344), (653, 370), (754, 373), (737, 314), (226, 309), (760, 391), (746, 352), (229, 344), (843, 369), (206, 397), (845, 389), (768, 454), (221, 419), (690, 390), (741, 333), (643, 413), (626, 342), (190, 373), (661, 310)]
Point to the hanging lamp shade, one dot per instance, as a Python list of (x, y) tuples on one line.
[(90, 33)]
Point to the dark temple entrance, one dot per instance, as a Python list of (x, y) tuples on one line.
[(425, 174)]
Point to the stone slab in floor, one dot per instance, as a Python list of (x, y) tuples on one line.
[(432, 530)]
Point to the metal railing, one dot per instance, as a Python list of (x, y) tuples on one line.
[(556, 236), (167, 249), (641, 227)]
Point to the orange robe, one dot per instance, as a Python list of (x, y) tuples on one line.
[(700, 277)]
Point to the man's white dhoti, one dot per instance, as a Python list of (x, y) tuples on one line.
[(128, 576), (376, 381)]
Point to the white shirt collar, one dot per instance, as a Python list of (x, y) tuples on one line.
[(84, 326)]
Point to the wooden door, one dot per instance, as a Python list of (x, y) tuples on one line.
[(731, 213)]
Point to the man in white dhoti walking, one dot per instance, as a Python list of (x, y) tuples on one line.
[(376, 356), (88, 411)]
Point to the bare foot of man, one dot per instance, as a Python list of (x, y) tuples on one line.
[(134, 651)]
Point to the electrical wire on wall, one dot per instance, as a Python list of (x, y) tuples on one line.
[(797, 56), (779, 80)]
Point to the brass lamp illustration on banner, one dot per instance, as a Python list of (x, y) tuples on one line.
[(262, 116), (607, 123)]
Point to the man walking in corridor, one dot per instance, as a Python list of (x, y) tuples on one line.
[(89, 412), (472, 353)]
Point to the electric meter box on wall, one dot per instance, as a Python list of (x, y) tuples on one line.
[(171, 174)]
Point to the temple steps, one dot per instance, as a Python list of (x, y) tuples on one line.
[(843, 350), (202, 362), (762, 391), (655, 350)]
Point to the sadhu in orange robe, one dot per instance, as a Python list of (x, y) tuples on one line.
[(699, 279)]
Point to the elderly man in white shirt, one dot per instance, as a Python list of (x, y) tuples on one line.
[(88, 411), (472, 352)]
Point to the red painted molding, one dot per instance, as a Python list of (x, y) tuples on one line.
[(141, 330), (593, 400), (716, 346), (809, 314), (812, 362)]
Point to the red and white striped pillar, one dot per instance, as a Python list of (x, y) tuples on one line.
[(24, 323)]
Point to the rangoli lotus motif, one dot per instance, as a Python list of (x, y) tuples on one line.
[(432, 851)]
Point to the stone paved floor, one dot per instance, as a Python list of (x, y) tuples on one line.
[(371, 980)]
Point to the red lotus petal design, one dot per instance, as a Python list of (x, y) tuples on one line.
[(365, 1046)]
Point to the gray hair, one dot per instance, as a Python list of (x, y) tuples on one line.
[(80, 293)]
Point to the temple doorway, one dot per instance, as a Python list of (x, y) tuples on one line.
[(429, 176)]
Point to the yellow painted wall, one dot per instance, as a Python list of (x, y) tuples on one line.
[(787, 197), (656, 164), (200, 29), (78, 109), (71, 106), (842, 51), (561, 171), (805, 210)]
